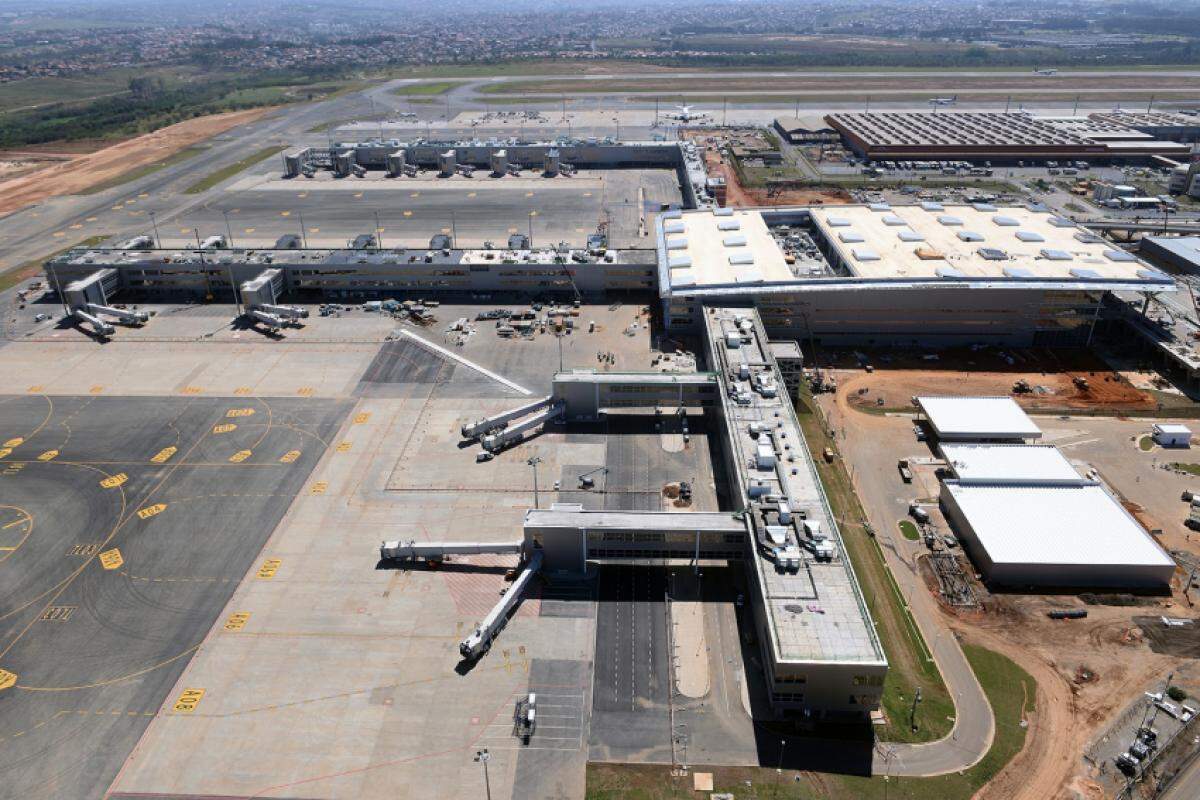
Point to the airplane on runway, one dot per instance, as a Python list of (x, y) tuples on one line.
[(943, 101), (1045, 72), (686, 114)]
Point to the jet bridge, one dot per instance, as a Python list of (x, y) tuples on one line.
[(88, 300), (437, 551), (486, 631), (473, 430), (259, 297)]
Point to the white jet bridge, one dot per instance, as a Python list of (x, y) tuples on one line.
[(88, 300)]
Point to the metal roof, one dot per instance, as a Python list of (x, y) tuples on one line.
[(1068, 525), (1009, 463), (978, 418)]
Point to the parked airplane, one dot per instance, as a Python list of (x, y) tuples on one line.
[(943, 101), (1046, 72), (685, 114)]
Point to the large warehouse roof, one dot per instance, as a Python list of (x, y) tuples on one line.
[(1009, 463), (976, 241), (1055, 525), (977, 418)]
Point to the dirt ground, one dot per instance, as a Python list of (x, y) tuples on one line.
[(897, 377), (83, 171), (738, 196)]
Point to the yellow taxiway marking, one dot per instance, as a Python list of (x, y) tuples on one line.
[(35, 389), (188, 700), (77, 226), (285, 213), (471, 194), (445, 230), (415, 194), (111, 559), (344, 447), (268, 569), (289, 456), (239, 412), (533, 213), (358, 194), (191, 390), (5, 452), (243, 390), (359, 419), (529, 194), (49, 455), (7, 679), (315, 230), (239, 456), (16, 441), (226, 428), (59, 233), (113, 481), (250, 230), (305, 391), (164, 455), (97, 389), (237, 620), (152, 511), (319, 487), (408, 213)]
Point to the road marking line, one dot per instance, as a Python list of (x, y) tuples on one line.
[(469, 364), (188, 700)]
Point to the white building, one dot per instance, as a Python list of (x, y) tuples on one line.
[(977, 419), (1050, 535), (1009, 464), (1169, 434)]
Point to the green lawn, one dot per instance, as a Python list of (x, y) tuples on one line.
[(144, 170), (1190, 469), (436, 87), (910, 662), (909, 530), (1010, 690), (1146, 444), (212, 179)]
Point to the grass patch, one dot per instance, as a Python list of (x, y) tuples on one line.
[(910, 663), (909, 530), (144, 170), (1010, 690), (1190, 469), (10, 278), (213, 178), (436, 87), (1146, 444)]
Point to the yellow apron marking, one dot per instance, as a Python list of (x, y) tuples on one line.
[(237, 620), (242, 390), (97, 389), (58, 613), (5, 452), (113, 481), (289, 456), (344, 447), (408, 213), (319, 487), (305, 391), (16, 441), (49, 455), (285, 213), (37, 387), (359, 419), (470, 194), (226, 428), (164, 455), (152, 511), (533, 213), (239, 456), (269, 568), (7, 679), (239, 412), (188, 700), (111, 559), (191, 390)]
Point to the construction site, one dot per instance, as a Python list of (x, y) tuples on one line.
[(503, 467)]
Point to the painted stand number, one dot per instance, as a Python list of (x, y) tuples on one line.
[(49, 455), (319, 487), (269, 568), (361, 418), (164, 455), (237, 620), (226, 428), (7, 679), (239, 456), (152, 511), (289, 456), (239, 412), (113, 481), (111, 559), (344, 447), (14, 442), (188, 700)]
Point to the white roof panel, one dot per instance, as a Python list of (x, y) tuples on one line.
[(1009, 463), (1068, 525), (975, 418)]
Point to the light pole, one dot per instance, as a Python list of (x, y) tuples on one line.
[(482, 756), (531, 213), (154, 224), (303, 235), (533, 462), (228, 230)]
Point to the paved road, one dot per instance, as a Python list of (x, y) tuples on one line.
[(1187, 783)]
